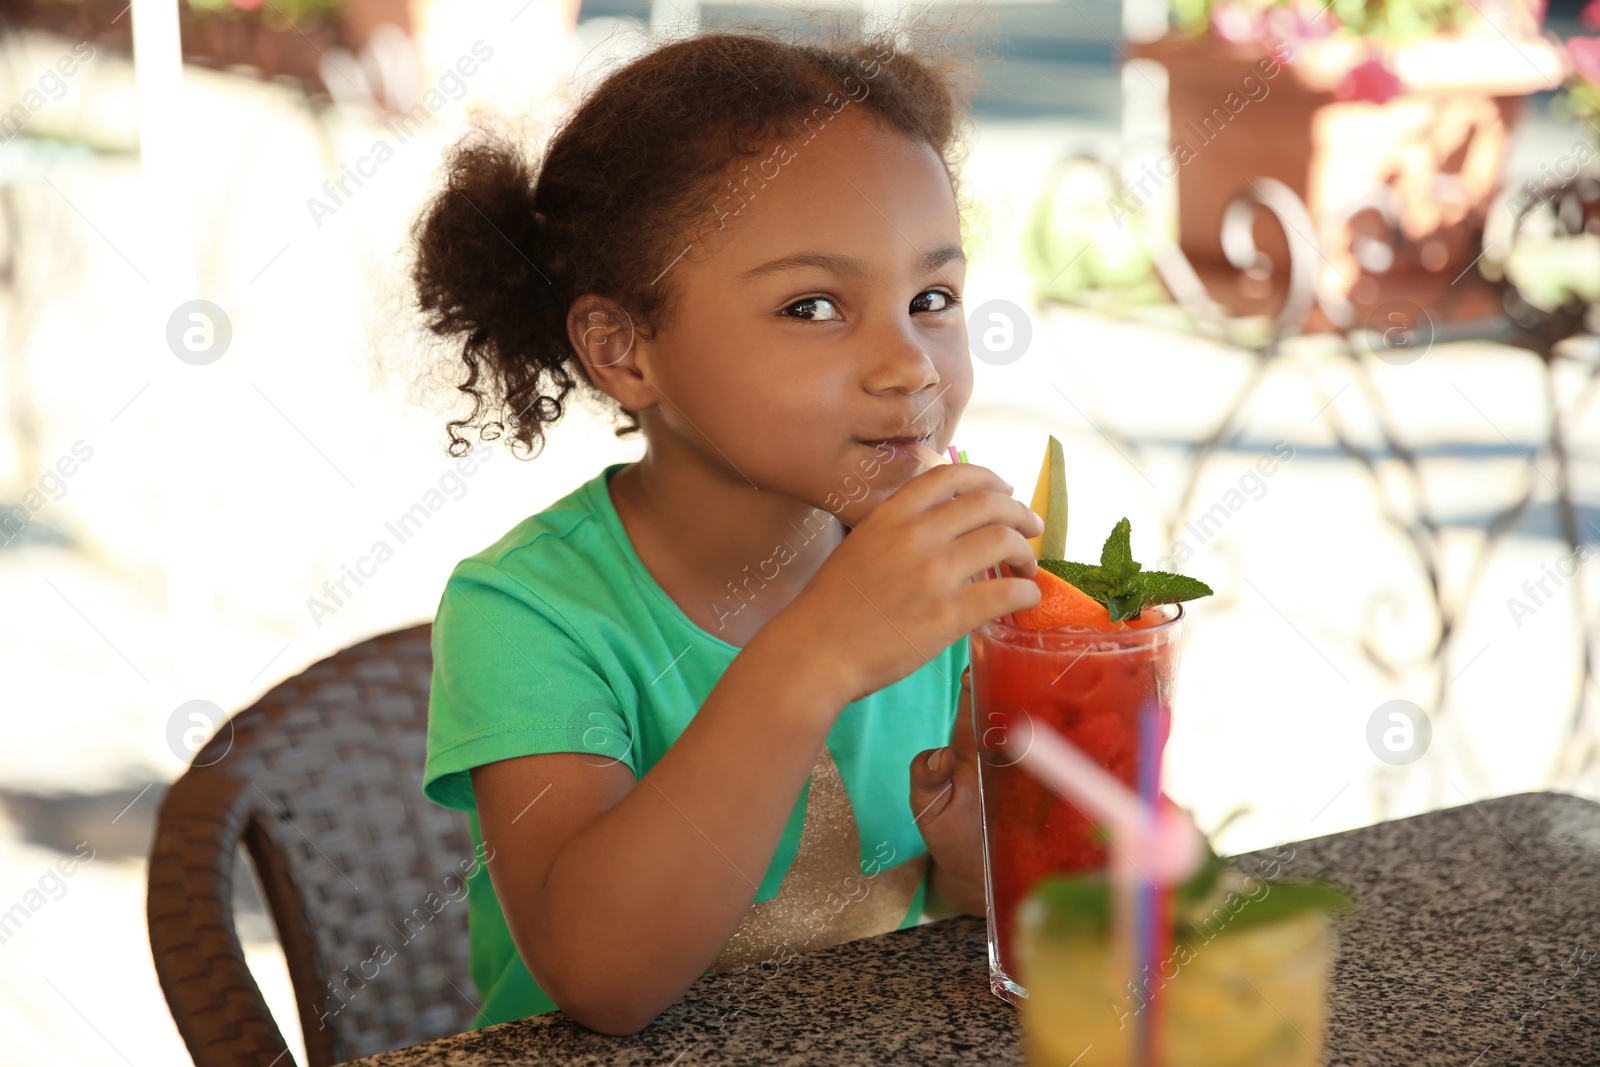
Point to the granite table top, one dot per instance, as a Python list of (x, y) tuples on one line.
[(1475, 942)]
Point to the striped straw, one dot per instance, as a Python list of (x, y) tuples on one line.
[(1153, 849), (1152, 933)]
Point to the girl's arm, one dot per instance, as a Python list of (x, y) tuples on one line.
[(619, 894)]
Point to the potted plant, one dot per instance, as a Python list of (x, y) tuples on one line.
[(1582, 99), (285, 37), (280, 38), (1392, 110), (1543, 251)]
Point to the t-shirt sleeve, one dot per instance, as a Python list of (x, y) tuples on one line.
[(510, 678)]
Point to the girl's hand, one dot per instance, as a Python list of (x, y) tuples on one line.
[(944, 802), (900, 588)]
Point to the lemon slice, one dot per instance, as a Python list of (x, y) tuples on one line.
[(1050, 504)]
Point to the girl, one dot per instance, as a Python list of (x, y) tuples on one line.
[(679, 705)]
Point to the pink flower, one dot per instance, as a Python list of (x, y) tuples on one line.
[(1589, 17), (1369, 81), (1280, 22), (1585, 55), (251, 5), (1233, 23), (1313, 20)]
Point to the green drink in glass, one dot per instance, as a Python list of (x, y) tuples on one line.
[(1245, 983)]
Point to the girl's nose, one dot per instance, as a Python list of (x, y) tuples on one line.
[(901, 366)]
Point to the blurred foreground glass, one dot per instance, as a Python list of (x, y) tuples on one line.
[(1231, 994), (1089, 686)]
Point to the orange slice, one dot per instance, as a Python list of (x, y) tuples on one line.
[(1063, 604), (1060, 604)]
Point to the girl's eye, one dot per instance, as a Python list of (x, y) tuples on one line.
[(811, 302), (950, 300), (809, 307)]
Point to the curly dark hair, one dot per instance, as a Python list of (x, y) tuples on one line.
[(506, 245)]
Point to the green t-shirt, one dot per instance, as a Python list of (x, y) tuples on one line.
[(557, 639)]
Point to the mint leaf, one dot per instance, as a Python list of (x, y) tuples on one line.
[(1203, 881), (1090, 579), (1229, 819), (1116, 556), (1121, 607), (1119, 584), (1066, 905), (1282, 900), (1160, 587), (1078, 904)]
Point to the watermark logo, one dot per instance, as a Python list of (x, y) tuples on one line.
[(1141, 989), (607, 735), (412, 926), (449, 87), (1405, 331), (740, 191), (1135, 194), (1549, 184), (1005, 733), (743, 591), (199, 332), (451, 485), (612, 353), (1544, 982), (51, 486), (1250, 486), (999, 331), (51, 885), (1398, 732), (49, 88), (1550, 581), (192, 725)]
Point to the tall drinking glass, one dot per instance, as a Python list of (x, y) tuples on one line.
[(1092, 688)]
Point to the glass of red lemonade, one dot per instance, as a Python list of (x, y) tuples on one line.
[(1092, 687)]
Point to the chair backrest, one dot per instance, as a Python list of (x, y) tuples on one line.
[(320, 781)]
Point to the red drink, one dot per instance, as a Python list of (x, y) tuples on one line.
[(1089, 686)]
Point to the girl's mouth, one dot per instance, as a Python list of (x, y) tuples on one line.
[(903, 448)]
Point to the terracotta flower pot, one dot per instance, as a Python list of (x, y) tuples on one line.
[(221, 40), (1426, 130)]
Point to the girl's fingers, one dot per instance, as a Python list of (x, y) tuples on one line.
[(983, 507), (931, 784), (939, 484), (989, 546), (995, 597), (961, 736)]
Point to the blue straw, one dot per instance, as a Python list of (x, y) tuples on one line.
[(1145, 917)]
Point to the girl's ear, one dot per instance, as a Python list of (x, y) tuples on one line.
[(603, 335)]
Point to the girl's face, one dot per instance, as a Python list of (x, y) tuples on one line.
[(822, 316)]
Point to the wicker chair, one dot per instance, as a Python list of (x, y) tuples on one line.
[(320, 781)]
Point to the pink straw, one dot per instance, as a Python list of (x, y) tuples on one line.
[(1162, 846)]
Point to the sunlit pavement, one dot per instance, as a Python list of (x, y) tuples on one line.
[(302, 449)]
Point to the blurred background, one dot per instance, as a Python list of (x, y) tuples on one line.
[(1308, 293)]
